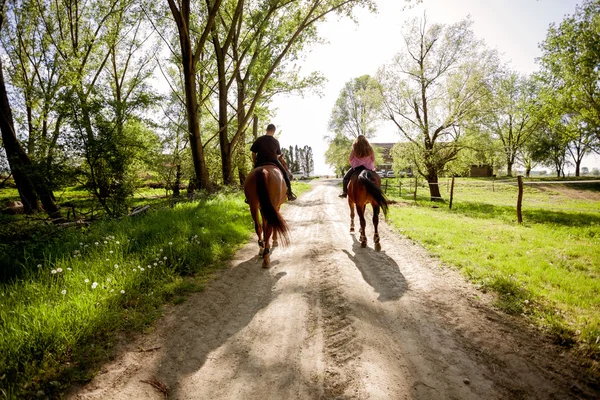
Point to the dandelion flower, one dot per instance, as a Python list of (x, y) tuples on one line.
[(64, 291), (87, 280), (161, 250), (96, 243), (107, 279), (94, 285), (122, 292), (142, 269), (107, 259), (69, 269), (112, 290), (59, 270), (149, 267), (111, 252), (117, 242), (164, 258), (170, 243), (81, 244), (39, 265), (105, 242), (53, 271), (116, 265)]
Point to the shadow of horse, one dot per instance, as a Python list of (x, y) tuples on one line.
[(379, 270), (209, 319)]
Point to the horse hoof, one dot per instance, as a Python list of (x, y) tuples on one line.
[(260, 252), (377, 247), (266, 262), (275, 243), (351, 230), (363, 244)]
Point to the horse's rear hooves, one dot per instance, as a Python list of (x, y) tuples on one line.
[(351, 230), (363, 244), (275, 243), (377, 247)]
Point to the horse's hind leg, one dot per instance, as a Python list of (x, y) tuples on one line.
[(363, 223), (375, 225), (351, 204), (258, 229), (267, 252)]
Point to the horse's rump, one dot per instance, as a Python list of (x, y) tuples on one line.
[(268, 181), (369, 180)]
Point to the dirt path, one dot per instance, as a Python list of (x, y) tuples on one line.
[(331, 320)]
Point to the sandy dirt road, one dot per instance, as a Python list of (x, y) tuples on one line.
[(332, 320)]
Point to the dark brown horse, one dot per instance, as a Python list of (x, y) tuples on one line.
[(364, 188), (265, 190)]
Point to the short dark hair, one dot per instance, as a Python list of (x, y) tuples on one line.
[(271, 127)]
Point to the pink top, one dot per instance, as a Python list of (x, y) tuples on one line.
[(368, 162)]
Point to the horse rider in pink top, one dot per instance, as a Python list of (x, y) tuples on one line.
[(362, 157)]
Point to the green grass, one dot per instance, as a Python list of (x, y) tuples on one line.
[(547, 269), (59, 318)]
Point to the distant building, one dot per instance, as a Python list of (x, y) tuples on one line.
[(384, 156), (481, 171)]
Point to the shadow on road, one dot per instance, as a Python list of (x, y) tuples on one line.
[(379, 270), (209, 320)]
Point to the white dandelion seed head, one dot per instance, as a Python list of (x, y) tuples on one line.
[(69, 269), (112, 290), (64, 291), (105, 242), (117, 242), (122, 292), (116, 265), (155, 264), (107, 279), (161, 250), (96, 243), (170, 243), (39, 265), (94, 285), (53, 271), (164, 258), (81, 244), (59, 270), (87, 281), (142, 269)]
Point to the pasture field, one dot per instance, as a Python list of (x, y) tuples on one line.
[(78, 288), (547, 269)]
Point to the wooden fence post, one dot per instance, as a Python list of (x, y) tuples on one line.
[(520, 199), (386, 185), (451, 192), (399, 188)]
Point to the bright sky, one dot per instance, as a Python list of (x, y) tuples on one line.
[(513, 27)]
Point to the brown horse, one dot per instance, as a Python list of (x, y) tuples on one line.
[(265, 190), (364, 188)]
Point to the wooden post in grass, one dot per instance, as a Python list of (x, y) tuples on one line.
[(520, 199), (386, 184), (399, 188), (451, 193)]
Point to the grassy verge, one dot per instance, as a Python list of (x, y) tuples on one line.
[(60, 317), (547, 269)]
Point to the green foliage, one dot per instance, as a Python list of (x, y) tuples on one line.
[(357, 109), (338, 153), (61, 317), (434, 90)]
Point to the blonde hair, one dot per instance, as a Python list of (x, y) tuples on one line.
[(361, 147)]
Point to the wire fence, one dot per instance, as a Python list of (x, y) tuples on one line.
[(504, 192)]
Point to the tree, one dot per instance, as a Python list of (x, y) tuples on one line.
[(338, 153), (305, 159), (31, 185), (571, 61), (356, 111), (193, 34), (509, 116), (290, 158), (434, 89)]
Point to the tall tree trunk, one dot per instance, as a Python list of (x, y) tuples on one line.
[(29, 183), (577, 167), (434, 187), (509, 165)]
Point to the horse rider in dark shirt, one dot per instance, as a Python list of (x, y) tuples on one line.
[(266, 149)]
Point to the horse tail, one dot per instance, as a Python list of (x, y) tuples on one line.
[(373, 190), (270, 212)]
